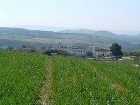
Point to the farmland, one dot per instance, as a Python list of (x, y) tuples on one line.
[(83, 82), (70, 81), (21, 76)]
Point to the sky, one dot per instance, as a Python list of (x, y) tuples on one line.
[(116, 15)]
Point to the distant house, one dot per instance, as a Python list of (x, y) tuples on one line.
[(58, 46), (102, 53), (80, 50)]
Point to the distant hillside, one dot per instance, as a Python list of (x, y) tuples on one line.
[(4, 43), (128, 42), (107, 35), (41, 28), (12, 36), (80, 31), (20, 31)]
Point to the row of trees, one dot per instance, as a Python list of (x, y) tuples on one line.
[(49, 52), (133, 53)]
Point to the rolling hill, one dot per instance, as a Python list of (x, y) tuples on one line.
[(87, 37)]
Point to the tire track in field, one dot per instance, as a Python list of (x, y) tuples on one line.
[(46, 87), (113, 83)]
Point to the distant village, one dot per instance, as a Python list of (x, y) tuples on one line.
[(86, 51), (73, 50)]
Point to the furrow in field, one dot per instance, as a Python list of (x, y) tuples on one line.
[(45, 89)]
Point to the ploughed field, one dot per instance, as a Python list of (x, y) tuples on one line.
[(30, 79)]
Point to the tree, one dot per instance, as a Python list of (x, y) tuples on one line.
[(48, 52), (43, 48), (89, 54), (23, 46), (10, 48), (116, 50)]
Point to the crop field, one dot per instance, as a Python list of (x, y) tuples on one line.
[(70, 81), (77, 81), (21, 75)]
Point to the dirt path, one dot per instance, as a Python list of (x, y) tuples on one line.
[(45, 90)]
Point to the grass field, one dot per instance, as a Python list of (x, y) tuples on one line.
[(21, 76), (83, 82), (70, 81)]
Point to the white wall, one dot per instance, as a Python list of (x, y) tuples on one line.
[(77, 52), (82, 52), (104, 54)]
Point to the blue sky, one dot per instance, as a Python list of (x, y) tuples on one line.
[(93, 14)]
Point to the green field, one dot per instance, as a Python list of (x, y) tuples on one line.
[(21, 76), (70, 81)]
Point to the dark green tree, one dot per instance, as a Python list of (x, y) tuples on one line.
[(116, 50), (23, 46), (10, 48), (48, 52), (43, 48), (89, 54)]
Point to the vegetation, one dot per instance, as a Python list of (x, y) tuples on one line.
[(83, 82), (21, 76), (89, 54), (133, 53), (10, 48), (72, 81), (49, 52), (116, 50), (17, 37)]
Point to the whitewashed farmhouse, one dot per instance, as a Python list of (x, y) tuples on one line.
[(101, 53), (82, 51)]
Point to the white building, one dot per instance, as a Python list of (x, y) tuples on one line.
[(82, 51), (102, 53)]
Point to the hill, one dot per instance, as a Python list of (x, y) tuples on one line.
[(79, 31), (42, 28), (31, 78), (102, 39)]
